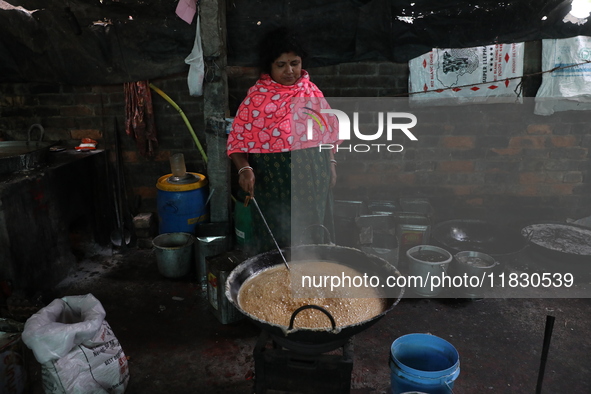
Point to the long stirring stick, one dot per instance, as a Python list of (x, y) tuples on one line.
[(270, 233)]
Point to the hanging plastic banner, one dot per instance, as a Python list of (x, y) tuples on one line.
[(452, 76), (568, 85)]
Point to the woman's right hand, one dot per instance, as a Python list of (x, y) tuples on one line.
[(245, 172), (246, 181)]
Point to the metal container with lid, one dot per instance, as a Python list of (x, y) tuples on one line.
[(218, 269)]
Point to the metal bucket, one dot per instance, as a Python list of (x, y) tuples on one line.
[(174, 254), (471, 264), (421, 264)]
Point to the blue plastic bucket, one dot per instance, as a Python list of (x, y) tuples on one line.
[(423, 363), (181, 207)]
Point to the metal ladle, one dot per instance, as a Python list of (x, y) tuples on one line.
[(120, 237), (249, 198)]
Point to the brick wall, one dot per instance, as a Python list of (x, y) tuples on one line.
[(369, 79), (539, 168), (498, 162), (69, 113), (519, 166)]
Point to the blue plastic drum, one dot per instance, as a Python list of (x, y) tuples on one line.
[(181, 206)]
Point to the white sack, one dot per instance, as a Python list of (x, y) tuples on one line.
[(77, 350)]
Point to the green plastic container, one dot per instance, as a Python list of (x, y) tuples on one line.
[(243, 224)]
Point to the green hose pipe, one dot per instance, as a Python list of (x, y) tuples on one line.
[(167, 98), (197, 143)]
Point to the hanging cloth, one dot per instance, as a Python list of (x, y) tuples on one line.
[(139, 117)]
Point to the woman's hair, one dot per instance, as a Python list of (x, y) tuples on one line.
[(274, 44)]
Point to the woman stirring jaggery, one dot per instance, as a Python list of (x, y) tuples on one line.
[(292, 176)]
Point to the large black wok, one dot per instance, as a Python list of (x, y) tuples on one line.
[(324, 339), (560, 246), (478, 236)]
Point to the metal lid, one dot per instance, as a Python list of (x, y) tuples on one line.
[(183, 180), (190, 181)]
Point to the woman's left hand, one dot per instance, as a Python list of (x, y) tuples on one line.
[(333, 175)]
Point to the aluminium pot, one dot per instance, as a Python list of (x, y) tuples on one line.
[(22, 155), (318, 338)]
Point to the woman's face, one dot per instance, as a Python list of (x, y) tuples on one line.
[(287, 68)]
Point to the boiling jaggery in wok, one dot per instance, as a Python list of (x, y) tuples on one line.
[(275, 293)]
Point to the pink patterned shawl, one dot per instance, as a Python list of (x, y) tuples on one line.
[(265, 122)]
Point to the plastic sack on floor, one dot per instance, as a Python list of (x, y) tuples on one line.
[(13, 374), (568, 86), (452, 76), (78, 352), (196, 66)]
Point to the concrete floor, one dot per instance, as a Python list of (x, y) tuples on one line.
[(176, 345)]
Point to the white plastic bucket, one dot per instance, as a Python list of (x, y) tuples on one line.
[(427, 262)]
